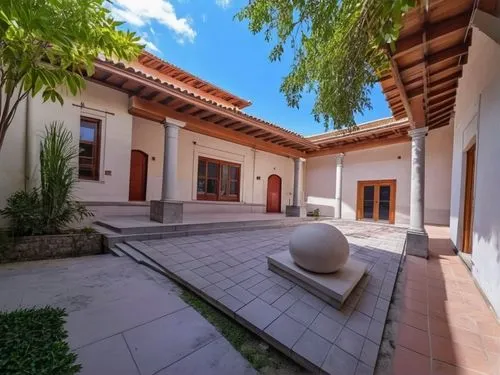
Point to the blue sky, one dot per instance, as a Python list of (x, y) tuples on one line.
[(201, 37)]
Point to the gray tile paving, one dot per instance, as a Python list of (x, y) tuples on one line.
[(215, 358), (259, 313), (302, 313), (152, 346), (285, 330), (350, 341), (312, 347), (108, 356), (339, 362), (326, 327), (119, 314), (344, 341)]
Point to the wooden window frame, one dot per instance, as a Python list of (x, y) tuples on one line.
[(376, 184), (217, 196), (96, 162)]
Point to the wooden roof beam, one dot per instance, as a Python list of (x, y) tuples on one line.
[(444, 108), (450, 98), (263, 135), (232, 124), (434, 59), (434, 32), (437, 94), (157, 112), (359, 146), (401, 88)]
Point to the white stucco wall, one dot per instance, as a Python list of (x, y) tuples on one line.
[(149, 137), (477, 119), (116, 137), (384, 163)]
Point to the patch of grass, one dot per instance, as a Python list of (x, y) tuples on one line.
[(262, 357), (32, 342)]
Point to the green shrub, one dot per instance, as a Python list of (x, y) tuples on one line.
[(32, 342), (23, 211), (51, 207)]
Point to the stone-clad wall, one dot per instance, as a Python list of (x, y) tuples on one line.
[(48, 247)]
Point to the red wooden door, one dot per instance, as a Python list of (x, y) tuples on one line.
[(138, 176), (274, 193)]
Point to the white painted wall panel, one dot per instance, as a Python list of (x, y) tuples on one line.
[(477, 119)]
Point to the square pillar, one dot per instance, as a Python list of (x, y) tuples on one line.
[(169, 209), (417, 240), (297, 209)]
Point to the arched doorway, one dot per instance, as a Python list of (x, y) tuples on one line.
[(274, 193), (138, 176)]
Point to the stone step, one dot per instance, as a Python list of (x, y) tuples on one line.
[(111, 240), (140, 258), (116, 251), (122, 227)]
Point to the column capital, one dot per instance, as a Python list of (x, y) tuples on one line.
[(340, 158), (173, 122), (418, 132)]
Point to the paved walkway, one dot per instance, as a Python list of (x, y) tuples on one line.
[(123, 319), (230, 270), (444, 326)]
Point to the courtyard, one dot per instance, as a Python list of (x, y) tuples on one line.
[(406, 316)]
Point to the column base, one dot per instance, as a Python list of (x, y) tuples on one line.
[(166, 212), (295, 211), (417, 243)]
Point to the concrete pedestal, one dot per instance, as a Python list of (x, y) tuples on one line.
[(417, 243), (333, 288), (166, 212), (295, 211)]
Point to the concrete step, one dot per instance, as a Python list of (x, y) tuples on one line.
[(111, 240), (139, 257), (116, 251), (122, 227)]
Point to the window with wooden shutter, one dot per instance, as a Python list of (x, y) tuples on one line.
[(89, 151)]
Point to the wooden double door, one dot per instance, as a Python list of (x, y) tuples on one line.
[(376, 200)]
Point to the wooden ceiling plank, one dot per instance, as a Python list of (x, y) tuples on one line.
[(435, 32), (450, 98), (444, 108)]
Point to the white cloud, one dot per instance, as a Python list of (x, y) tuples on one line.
[(149, 45), (141, 12), (204, 18), (223, 3)]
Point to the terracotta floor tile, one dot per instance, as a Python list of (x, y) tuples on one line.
[(413, 319), (416, 306), (440, 299), (442, 368), (407, 362), (417, 295), (414, 285), (491, 344), (466, 338), (439, 327), (413, 339), (445, 350), (489, 328)]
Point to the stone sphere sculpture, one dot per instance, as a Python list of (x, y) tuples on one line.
[(319, 248)]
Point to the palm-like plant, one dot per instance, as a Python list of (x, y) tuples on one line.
[(58, 177), (50, 207)]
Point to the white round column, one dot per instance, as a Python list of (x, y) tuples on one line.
[(338, 186)]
